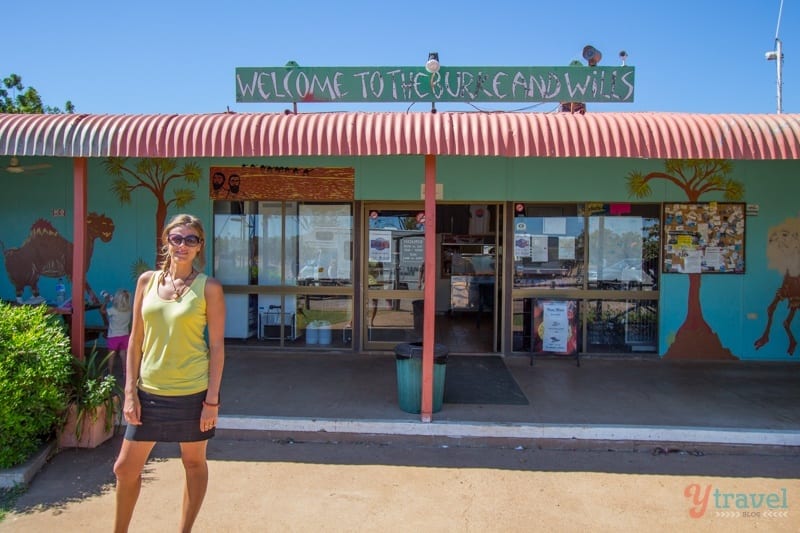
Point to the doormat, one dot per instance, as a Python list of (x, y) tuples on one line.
[(480, 379)]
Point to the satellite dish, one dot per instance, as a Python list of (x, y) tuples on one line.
[(592, 55)]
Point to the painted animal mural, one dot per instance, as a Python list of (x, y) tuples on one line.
[(46, 253), (783, 254)]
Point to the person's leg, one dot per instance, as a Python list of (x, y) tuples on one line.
[(128, 469), (193, 455), (123, 357), (111, 356)]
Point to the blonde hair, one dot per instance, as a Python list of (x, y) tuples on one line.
[(190, 221), (122, 301)]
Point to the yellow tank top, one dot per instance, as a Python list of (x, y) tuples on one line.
[(174, 349)]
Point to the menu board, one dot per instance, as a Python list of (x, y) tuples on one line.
[(704, 238), (555, 327), (412, 255)]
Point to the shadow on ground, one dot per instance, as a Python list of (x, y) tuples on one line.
[(77, 474)]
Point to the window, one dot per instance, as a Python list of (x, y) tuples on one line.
[(396, 244), (548, 247), (623, 249), (604, 259), (287, 269)]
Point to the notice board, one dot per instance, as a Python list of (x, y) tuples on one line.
[(704, 238)]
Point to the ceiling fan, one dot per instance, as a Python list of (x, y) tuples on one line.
[(15, 168)]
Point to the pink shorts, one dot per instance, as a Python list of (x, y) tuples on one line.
[(117, 343)]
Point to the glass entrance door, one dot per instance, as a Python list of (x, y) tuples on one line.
[(395, 244), (467, 274)]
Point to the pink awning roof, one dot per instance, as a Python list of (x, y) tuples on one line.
[(247, 135)]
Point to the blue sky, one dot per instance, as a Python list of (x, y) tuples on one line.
[(176, 56)]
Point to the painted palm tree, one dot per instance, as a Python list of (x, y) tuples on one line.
[(156, 176), (695, 339)]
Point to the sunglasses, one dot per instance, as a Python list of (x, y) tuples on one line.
[(190, 240)]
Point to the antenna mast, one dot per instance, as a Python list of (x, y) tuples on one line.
[(777, 55)]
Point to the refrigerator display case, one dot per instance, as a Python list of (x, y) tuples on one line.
[(233, 252)]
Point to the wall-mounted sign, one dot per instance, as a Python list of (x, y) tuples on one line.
[(449, 84), (282, 183)]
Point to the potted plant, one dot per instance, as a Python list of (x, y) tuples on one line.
[(93, 402)]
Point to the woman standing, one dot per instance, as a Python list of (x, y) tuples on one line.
[(173, 375)]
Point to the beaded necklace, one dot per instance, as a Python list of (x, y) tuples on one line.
[(186, 283)]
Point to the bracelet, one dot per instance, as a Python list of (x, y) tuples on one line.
[(210, 404)]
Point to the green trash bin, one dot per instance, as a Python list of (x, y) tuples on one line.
[(409, 376)]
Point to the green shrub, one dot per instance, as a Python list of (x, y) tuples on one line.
[(35, 368)]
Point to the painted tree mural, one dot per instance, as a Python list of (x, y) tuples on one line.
[(695, 339), (158, 177)]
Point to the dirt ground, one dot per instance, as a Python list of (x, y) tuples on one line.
[(287, 485)]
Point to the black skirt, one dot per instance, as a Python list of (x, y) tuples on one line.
[(169, 419)]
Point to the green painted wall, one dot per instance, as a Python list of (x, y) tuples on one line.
[(734, 306)]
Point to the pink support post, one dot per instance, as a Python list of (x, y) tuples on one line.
[(78, 331), (429, 310)]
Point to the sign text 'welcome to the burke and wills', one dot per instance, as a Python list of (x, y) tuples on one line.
[(450, 84)]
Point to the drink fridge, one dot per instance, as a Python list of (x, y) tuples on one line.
[(233, 245)]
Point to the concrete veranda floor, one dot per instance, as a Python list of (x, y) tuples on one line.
[(602, 399), (327, 397), (299, 431)]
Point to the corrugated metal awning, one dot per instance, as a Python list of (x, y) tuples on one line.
[(630, 135)]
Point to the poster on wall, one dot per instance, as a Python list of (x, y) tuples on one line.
[(704, 238), (555, 327), (380, 246), (412, 255), (539, 249), (566, 248), (522, 245)]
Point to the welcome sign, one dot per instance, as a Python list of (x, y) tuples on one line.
[(449, 84)]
